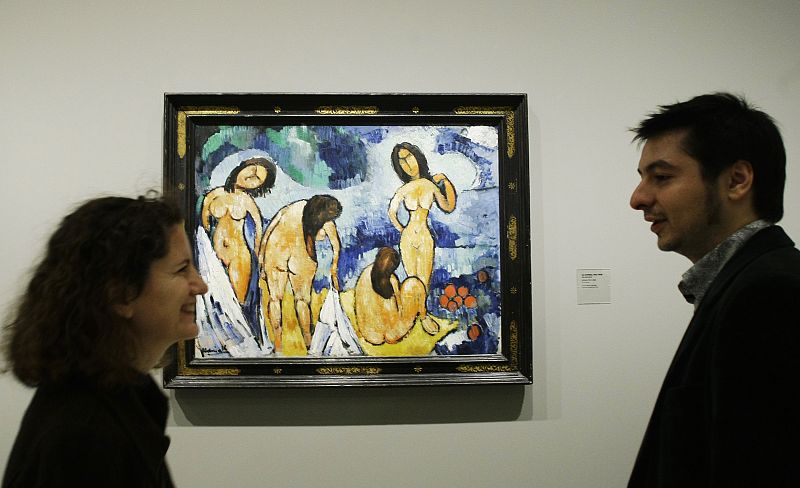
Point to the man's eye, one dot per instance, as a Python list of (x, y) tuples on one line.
[(661, 178)]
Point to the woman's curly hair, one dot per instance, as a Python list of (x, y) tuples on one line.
[(99, 256)]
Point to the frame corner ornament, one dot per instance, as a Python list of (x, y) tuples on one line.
[(186, 370), (508, 112), (185, 112)]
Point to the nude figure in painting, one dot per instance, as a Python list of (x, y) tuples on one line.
[(233, 208), (386, 309), (288, 254), (418, 193)]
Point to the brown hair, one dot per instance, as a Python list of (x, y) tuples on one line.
[(319, 209), (386, 261), (261, 190), (100, 255)]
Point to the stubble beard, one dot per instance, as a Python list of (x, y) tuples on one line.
[(698, 238)]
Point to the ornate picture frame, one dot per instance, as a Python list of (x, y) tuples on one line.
[(353, 239)]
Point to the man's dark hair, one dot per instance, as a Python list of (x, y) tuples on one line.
[(721, 129), (98, 257)]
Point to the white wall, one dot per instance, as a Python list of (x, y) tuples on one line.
[(81, 87)]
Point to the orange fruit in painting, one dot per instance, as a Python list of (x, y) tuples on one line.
[(470, 302), (450, 290), (452, 306), (443, 301), (463, 291), (473, 332), (458, 300), (483, 276)]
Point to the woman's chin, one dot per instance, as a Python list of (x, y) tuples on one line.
[(189, 330)]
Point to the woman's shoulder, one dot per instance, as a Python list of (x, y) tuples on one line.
[(70, 431), (72, 409), (364, 276), (213, 195), (73, 405), (63, 415), (292, 212)]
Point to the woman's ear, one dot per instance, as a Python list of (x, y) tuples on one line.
[(124, 310), (121, 299)]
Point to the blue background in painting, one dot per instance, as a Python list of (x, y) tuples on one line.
[(353, 164)]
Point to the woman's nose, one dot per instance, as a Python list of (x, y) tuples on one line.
[(199, 287)]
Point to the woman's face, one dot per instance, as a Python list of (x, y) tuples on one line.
[(164, 312), (408, 162), (251, 177)]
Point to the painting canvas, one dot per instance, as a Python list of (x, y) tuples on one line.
[(345, 240)]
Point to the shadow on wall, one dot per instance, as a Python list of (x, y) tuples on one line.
[(350, 406)]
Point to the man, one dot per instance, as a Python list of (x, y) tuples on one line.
[(712, 175)]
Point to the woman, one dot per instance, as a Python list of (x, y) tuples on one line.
[(386, 309), (115, 289), (288, 253), (237, 215), (418, 193)]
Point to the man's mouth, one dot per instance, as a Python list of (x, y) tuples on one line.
[(657, 223), (657, 226)]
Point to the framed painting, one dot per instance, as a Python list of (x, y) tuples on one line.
[(353, 239)]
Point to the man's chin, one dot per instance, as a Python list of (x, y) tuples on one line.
[(666, 245)]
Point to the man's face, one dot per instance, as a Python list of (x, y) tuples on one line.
[(684, 209)]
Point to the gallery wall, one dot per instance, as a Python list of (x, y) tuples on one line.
[(81, 93)]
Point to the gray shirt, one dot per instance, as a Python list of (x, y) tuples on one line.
[(696, 280)]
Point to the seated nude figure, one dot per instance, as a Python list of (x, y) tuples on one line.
[(386, 309)]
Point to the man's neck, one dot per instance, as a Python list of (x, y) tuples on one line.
[(699, 277)]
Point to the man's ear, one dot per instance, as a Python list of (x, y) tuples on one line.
[(740, 180)]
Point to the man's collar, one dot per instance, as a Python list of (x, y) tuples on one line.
[(698, 278)]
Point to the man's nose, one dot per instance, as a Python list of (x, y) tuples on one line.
[(640, 198)]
